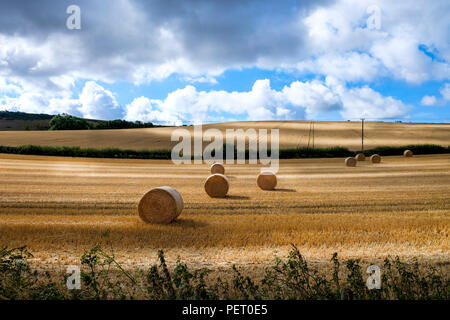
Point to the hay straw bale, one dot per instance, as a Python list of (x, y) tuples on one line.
[(350, 162), (160, 205), (375, 158), (217, 168), (360, 157), (217, 185), (267, 180), (408, 153)]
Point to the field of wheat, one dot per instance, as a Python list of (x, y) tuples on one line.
[(293, 134), (60, 207)]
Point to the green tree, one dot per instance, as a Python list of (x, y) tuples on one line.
[(68, 122)]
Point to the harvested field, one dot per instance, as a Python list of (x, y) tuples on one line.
[(59, 207), (293, 134)]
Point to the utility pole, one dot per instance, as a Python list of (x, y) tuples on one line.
[(309, 134), (362, 134)]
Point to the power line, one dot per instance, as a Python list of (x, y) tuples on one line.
[(311, 134), (362, 134)]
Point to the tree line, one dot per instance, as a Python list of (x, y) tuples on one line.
[(68, 122)]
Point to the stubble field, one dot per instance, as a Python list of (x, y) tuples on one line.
[(293, 134), (60, 207)]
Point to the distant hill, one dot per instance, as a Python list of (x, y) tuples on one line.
[(13, 121), (13, 115), (21, 121)]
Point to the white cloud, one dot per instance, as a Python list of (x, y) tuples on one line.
[(9, 88), (201, 79), (343, 46), (366, 103), (191, 105), (98, 103), (34, 102), (315, 97), (146, 110), (428, 101), (400, 54), (445, 92), (201, 40), (351, 66), (41, 62), (299, 100), (94, 102), (27, 102), (69, 106), (442, 101), (261, 103)]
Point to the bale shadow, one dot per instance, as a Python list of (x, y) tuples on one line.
[(285, 190), (188, 223), (237, 197)]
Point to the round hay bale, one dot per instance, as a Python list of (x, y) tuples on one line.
[(217, 168), (350, 162), (375, 158), (217, 185), (267, 180), (408, 153), (360, 157), (160, 205)]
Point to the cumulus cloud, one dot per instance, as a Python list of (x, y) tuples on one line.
[(433, 101), (94, 102), (9, 88), (201, 39), (139, 40), (98, 103), (367, 103), (260, 103), (351, 66), (145, 110), (428, 101), (364, 102), (445, 92), (345, 47), (315, 97), (142, 41), (299, 100)]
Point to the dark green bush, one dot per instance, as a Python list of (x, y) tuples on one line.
[(68, 122), (416, 149), (305, 152), (166, 154), (122, 124), (104, 278), (87, 152)]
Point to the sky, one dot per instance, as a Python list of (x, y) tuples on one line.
[(182, 62)]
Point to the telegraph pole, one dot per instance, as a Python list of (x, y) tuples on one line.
[(362, 134)]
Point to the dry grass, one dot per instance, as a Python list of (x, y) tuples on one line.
[(59, 207), (292, 134)]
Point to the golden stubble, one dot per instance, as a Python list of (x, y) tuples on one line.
[(293, 134), (59, 207)]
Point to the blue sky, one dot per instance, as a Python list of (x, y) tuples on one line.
[(175, 62)]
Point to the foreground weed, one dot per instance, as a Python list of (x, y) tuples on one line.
[(104, 278)]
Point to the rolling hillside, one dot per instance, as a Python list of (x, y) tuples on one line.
[(24, 121), (292, 134)]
